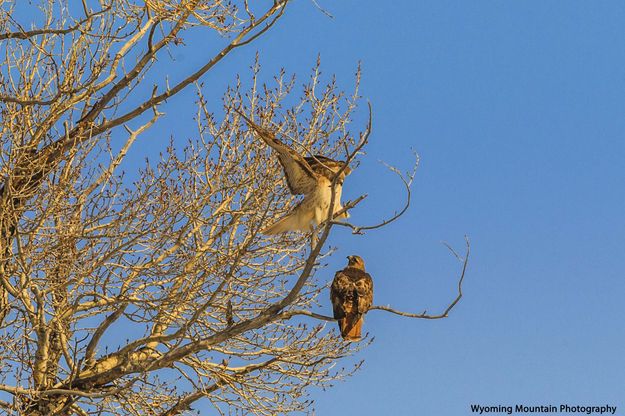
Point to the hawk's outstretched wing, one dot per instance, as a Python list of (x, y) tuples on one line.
[(327, 167), (300, 177), (311, 176)]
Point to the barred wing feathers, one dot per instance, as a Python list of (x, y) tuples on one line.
[(311, 176), (300, 177)]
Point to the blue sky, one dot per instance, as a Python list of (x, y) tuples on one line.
[(517, 109)]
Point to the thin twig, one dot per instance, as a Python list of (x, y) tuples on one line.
[(322, 10), (407, 181), (445, 313)]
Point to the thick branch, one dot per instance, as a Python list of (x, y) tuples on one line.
[(23, 34), (279, 6)]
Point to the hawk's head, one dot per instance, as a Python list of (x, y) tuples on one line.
[(355, 261)]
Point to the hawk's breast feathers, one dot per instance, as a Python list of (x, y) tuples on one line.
[(351, 295)]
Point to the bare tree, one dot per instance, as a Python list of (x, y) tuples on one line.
[(174, 255)]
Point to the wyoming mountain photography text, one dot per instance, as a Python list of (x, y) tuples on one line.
[(604, 409)]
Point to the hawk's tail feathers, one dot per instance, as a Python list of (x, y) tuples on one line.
[(292, 222), (351, 327)]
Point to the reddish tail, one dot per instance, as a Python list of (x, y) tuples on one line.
[(351, 327)]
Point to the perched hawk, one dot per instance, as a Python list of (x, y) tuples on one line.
[(309, 176), (351, 295)]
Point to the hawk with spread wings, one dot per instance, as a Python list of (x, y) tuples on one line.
[(310, 176), (351, 294)]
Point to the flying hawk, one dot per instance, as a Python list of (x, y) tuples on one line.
[(310, 176), (351, 294)]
